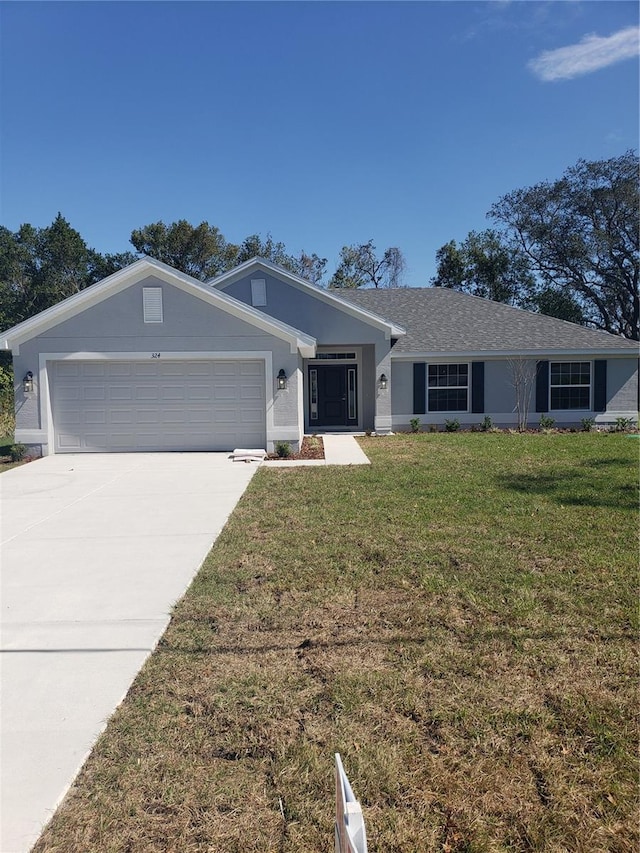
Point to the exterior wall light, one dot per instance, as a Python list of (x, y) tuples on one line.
[(27, 382), (383, 382), (282, 380)]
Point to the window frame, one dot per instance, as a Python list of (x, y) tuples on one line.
[(588, 385), (466, 388)]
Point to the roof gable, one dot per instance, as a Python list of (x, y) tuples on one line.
[(360, 312), (134, 273)]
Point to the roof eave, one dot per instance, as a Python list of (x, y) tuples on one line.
[(539, 352)]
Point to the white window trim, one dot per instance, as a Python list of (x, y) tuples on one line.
[(258, 292), (466, 387), (589, 386), (151, 303)]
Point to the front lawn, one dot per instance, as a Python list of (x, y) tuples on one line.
[(458, 620)]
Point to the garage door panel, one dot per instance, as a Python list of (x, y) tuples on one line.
[(200, 368), (143, 392), (114, 369), (94, 392), (225, 368), (151, 406), (144, 368), (119, 392), (202, 393), (172, 392), (68, 441), (251, 416)]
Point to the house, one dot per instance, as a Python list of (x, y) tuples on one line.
[(152, 359)]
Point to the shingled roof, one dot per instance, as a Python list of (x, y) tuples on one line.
[(439, 320)]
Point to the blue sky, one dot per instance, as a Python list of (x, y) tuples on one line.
[(323, 123)]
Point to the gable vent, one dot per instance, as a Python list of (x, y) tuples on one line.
[(152, 304), (258, 292)]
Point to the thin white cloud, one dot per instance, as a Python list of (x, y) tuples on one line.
[(590, 54)]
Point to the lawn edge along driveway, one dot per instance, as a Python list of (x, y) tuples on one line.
[(96, 549)]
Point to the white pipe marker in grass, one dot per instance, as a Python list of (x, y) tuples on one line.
[(350, 832)]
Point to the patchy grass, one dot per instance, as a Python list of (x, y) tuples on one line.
[(459, 620), (6, 461)]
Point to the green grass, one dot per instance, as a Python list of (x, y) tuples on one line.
[(459, 620), (6, 463)]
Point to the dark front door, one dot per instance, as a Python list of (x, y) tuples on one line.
[(334, 387)]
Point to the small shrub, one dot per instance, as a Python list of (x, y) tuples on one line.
[(17, 452), (452, 425), (414, 423), (433, 427), (587, 424), (546, 422), (283, 449), (622, 425), (487, 424)]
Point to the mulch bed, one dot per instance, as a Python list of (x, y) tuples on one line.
[(312, 448)]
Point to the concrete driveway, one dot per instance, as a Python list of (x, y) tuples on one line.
[(96, 548)]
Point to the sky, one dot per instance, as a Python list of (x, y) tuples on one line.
[(321, 123)]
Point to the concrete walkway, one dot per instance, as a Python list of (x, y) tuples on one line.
[(338, 450), (96, 549)]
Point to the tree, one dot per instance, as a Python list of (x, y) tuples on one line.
[(39, 267), (360, 267), (255, 247), (523, 379), (581, 236), (557, 303), (42, 266), (311, 267), (199, 251), (105, 265), (486, 265)]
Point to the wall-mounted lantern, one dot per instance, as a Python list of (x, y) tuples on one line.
[(282, 380), (383, 382), (27, 382)]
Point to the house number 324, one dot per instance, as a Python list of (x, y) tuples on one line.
[(155, 355)]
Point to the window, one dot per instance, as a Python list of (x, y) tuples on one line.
[(570, 384), (313, 394), (152, 304), (335, 355), (351, 393), (448, 386), (258, 292)]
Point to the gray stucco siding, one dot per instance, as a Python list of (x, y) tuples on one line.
[(500, 396), (190, 326), (499, 390), (308, 313), (622, 385), (184, 317)]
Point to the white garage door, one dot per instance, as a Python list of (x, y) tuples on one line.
[(157, 405)]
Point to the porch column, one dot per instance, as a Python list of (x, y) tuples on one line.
[(382, 420)]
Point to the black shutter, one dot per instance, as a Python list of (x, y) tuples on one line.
[(542, 386), (599, 386), (419, 388), (477, 387)]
